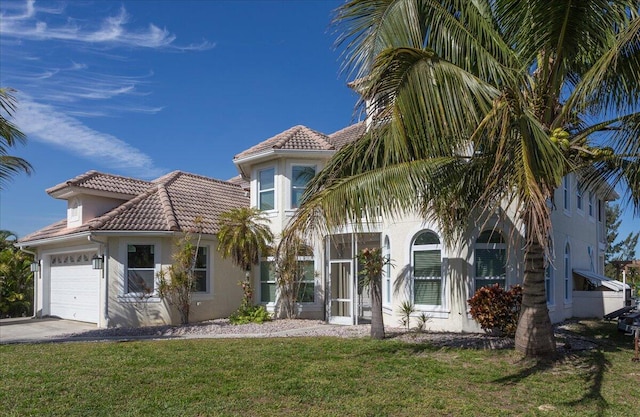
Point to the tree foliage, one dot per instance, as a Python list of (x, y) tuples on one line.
[(16, 278), (479, 104), (620, 249), (617, 250), (10, 136), (289, 272), (371, 263), (177, 281), (244, 234)]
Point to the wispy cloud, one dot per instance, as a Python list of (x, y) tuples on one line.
[(93, 73), (27, 22), (44, 123)]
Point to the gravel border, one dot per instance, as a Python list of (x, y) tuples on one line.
[(222, 328)]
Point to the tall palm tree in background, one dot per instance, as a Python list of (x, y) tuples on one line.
[(10, 136), (480, 104)]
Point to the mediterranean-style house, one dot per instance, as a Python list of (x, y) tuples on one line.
[(101, 263)]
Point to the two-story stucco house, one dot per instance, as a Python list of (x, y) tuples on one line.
[(437, 279), (100, 263)]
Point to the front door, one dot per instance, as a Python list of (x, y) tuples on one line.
[(341, 290)]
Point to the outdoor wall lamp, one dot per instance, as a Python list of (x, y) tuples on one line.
[(97, 262), (35, 266)]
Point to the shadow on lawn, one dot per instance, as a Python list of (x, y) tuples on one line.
[(592, 363)]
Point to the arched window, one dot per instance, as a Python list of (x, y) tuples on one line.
[(490, 259), (386, 287), (426, 255), (567, 273), (548, 283)]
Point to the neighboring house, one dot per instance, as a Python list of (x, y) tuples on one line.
[(133, 224), (130, 227)]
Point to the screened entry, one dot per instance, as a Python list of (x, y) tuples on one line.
[(348, 302)]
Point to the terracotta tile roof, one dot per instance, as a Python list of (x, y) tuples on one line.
[(53, 230), (347, 135), (297, 137), (239, 180), (97, 181), (171, 203)]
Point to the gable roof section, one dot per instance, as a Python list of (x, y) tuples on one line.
[(94, 181), (171, 203), (296, 138)]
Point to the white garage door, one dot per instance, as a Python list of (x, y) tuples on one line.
[(75, 287)]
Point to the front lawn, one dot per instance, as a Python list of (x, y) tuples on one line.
[(315, 377)]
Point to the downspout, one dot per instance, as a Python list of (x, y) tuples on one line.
[(104, 248), (36, 275)]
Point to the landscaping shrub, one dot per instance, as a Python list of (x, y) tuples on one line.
[(247, 312), (496, 309)]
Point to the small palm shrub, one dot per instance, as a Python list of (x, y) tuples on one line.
[(496, 309), (406, 310), (247, 312)]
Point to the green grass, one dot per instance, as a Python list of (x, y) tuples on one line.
[(315, 377)]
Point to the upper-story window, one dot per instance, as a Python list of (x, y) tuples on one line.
[(266, 189), (490, 259), (567, 273), (300, 177), (600, 210), (427, 269), (579, 193), (566, 193), (590, 204)]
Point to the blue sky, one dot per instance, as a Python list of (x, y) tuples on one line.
[(141, 88)]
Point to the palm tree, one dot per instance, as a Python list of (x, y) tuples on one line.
[(372, 263), (10, 136), (244, 234), (482, 104)]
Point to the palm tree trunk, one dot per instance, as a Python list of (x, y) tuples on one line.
[(377, 323), (534, 335)]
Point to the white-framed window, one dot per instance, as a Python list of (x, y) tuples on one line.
[(600, 211), (267, 281), (306, 280), (201, 270), (386, 285), (590, 204), (490, 259), (567, 273), (566, 193), (426, 257), (548, 284), (267, 189), (141, 269), (579, 194), (300, 177)]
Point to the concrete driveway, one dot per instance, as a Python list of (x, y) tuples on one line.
[(28, 330)]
